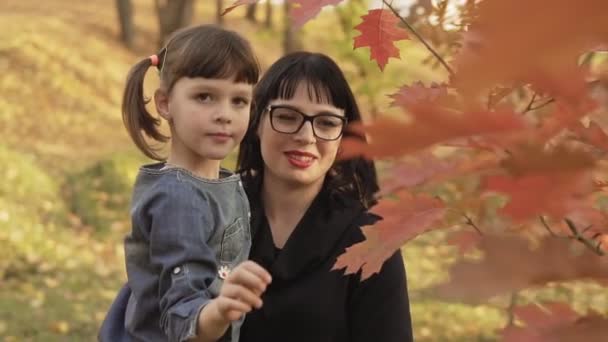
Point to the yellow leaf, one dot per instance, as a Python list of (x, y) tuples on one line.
[(60, 327)]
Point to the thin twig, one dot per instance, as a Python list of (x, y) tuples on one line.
[(512, 305), (586, 229), (543, 104), (470, 222), (439, 58), (546, 225), (529, 106), (595, 247)]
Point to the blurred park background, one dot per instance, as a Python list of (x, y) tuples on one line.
[(68, 165)]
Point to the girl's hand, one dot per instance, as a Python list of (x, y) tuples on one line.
[(242, 290)]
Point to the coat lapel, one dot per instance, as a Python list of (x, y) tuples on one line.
[(314, 239)]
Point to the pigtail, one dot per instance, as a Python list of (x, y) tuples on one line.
[(135, 116)]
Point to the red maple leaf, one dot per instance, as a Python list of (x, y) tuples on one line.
[(465, 240), (237, 4), (564, 116), (543, 182), (304, 10), (414, 171), (379, 31), (510, 263), (539, 194), (423, 168), (593, 135), (492, 52), (416, 93), (432, 124), (404, 219)]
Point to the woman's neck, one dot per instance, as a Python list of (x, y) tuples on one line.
[(285, 205)]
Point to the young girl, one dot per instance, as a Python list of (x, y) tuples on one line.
[(190, 218)]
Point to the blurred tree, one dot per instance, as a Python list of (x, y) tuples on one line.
[(291, 41), (173, 15), (418, 10), (250, 13), (125, 20), (268, 19), (219, 8)]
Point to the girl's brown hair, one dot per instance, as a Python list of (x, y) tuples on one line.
[(201, 51)]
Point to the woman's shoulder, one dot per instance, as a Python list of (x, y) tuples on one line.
[(355, 214)]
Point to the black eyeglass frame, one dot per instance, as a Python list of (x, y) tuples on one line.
[(306, 118)]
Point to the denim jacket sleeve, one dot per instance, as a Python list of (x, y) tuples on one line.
[(181, 223)]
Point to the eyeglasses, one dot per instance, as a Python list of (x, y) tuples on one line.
[(288, 120)]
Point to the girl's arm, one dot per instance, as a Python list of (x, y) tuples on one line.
[(179, 223), (241, 292)]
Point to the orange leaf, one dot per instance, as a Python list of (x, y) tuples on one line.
[(465, 240), (414, 171), (404, 219), (510, 264), (432, 125), (379, 31), (504, 29), (545, 182), (305, 10), (424, 167), (593, 135), (417, 93), (539, 194), (237, 4)]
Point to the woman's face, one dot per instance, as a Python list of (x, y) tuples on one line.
[(300, 158)]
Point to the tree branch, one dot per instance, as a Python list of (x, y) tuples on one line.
[(422, 40), (595, 247), (470, 222), (529, 106), (546, 225), (543, 104), (512, 305)]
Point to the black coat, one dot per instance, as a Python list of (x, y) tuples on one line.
[(306, 301)]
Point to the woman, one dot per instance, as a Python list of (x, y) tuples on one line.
[(308, 207)]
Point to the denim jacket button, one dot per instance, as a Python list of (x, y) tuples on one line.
[(176, 270)]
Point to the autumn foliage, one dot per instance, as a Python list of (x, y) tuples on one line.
[(523, 116)]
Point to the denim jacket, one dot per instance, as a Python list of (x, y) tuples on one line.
[(186, 232)]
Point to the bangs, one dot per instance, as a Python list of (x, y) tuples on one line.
[(317, 91), (321, 87), (231, 58)]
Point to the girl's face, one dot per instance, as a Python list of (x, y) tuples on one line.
[(208, 117), (300, 158)]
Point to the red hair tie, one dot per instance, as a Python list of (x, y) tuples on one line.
[(154, 60)]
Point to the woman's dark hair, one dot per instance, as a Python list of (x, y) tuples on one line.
[(200, 51), (355, 178)]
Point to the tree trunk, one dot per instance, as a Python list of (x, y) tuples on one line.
[(291, 42), (268, 21), (173, 15), (219, 8), (125, 20), (250, 14)]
